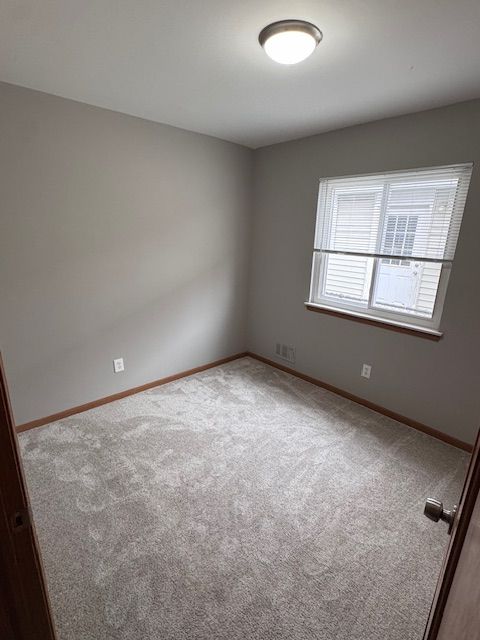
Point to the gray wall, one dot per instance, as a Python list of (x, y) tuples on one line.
[(434, 383), (122, 237), (118, 237)]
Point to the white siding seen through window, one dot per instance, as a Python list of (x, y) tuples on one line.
[(384, 244)]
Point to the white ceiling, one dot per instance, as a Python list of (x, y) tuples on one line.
[(197, 64)]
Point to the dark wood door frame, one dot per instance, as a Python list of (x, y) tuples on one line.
[(24, 607), (470, 494)]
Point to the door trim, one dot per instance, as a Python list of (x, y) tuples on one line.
[(467, 503), (26, 608)]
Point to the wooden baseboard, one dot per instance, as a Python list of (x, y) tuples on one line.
[(122, 394), (371, 405), (183, 374)]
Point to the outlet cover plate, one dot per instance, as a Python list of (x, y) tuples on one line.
[(366, 370), (118, 365)]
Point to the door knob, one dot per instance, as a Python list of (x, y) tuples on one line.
[(434, 511)]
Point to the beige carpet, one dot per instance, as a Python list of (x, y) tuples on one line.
[(240, 503)]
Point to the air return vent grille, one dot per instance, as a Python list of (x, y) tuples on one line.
[(285, 352)]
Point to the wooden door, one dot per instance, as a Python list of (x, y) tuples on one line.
[(24, 606), (455, 612)]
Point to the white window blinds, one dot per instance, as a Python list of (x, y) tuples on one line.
[(413, 214), (384, 243)]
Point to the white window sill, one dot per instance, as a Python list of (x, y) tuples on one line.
[(394, 325)]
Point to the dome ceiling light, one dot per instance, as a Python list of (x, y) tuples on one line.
[(290, 41)]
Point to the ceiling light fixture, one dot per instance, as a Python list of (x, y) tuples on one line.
[(290, 41)]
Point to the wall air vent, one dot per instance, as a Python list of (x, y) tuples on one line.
[(285, 352)]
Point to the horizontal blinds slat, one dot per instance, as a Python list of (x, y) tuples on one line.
[(392, 256), (404, 214)]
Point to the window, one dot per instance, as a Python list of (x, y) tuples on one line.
[(384, 244)]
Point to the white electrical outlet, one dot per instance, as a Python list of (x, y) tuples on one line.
[(366, 370), (118, 365)]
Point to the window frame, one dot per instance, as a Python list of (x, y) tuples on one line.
[(376, 314), (382, 315)]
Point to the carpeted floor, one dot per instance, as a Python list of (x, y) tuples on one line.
[(238, 504)]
